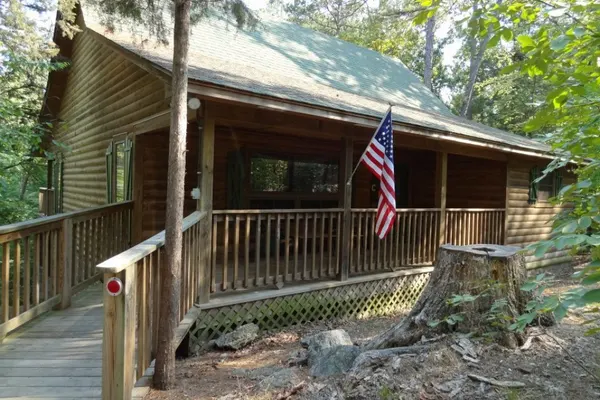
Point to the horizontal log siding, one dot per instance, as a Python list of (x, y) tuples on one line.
[(526, 223), (475, 183), (155, 150), (104, 93)]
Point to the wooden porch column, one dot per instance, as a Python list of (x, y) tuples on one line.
[(346, 160), (441, 178), (205, 166)]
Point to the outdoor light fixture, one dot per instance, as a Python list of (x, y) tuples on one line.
[(194, 103)]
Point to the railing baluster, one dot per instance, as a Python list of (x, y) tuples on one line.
[(322, 247), (288, 222), (329, 244), (226, 252), (305, 246), (297, 274), (26, 273), (314, 247), (258, 250), (277, 248), (16, 279), (5, 281), (338, 239), (268, 255), (247, 253)]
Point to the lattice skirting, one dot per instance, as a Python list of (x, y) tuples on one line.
[(348, 301)]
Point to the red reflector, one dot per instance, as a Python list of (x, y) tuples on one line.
[(114, 286)]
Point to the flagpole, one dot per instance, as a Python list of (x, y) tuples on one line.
[(349, 182)]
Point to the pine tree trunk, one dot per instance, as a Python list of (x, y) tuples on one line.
[(499, 271), (164, 373), (429, 39)]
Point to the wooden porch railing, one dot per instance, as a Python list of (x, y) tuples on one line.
[(131, 318), (255, 248), (45, 260), (412, 241), (465, 226)]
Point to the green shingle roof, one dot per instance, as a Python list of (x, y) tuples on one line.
[(283, 60)]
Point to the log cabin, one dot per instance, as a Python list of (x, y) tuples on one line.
[(278, 117)]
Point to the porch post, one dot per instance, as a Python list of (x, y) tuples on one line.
[(346, 160), (441, 177), (205, 166)]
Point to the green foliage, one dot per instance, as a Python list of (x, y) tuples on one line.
[(558, 43), (26, 56)]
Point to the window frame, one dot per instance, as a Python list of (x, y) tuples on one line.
[(296, 197), (118, 139)]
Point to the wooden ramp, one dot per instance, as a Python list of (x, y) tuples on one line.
[(58, 355)]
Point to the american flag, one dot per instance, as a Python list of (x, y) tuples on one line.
[(379, 158)]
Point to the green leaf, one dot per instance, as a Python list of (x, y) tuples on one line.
[(592, 296), (560, 42), (584, 222), (509, 68), (494, 40), (529, 286), (560, 312), (591, 279), (579, 31), (525, 41), (570, 227), (507, 34), (593, 240)]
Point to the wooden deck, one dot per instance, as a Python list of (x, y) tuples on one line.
[(58, 355)]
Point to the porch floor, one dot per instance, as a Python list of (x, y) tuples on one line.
[(58, 355)]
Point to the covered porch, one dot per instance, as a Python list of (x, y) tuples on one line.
[(279, 211)]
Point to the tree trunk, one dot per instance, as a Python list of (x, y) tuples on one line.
[(429, 39), (477, 53), (164, 373), (497, 271)]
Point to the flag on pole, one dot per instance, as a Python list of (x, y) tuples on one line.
[(379, 158)]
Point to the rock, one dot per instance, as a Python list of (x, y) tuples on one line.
[(241, 337), (282, 379), (322, 341), (188, 374), (333, 361)]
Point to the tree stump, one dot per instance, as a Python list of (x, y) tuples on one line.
[(489, 272)]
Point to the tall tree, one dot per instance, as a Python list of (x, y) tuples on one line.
[(429, 42), (151, 13), (169, 309)]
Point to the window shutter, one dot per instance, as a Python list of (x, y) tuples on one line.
[(128, 161), (235, 180), (533, 185), (109, 174), (558, 182)]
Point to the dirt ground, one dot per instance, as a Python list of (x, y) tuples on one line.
[(549, 369)]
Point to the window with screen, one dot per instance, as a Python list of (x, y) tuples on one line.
[(296, 175)]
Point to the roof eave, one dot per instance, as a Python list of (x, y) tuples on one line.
[(278, 104)]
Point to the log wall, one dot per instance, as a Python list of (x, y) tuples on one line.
[(155, 153), (104, 94), (528, 223), (475, 182)]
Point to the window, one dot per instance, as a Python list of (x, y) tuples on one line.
[(545, 188), (290, 174), (119, 170)]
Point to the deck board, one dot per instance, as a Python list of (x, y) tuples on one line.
[(58, 355)]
